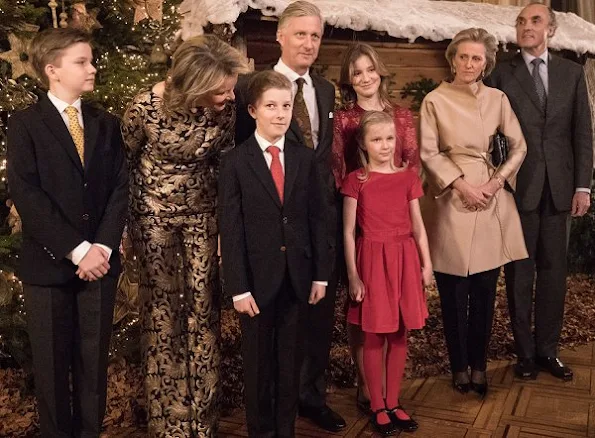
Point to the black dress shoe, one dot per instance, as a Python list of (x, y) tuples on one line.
[(363, 405), (323, 417), (525, 369), (462, 387), (383, 429), (480, 387), (555, 367), (404, 425)]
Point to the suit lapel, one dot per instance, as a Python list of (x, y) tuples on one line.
[(259, 166), (55, 123), (294, 129), (555, 92), (323, 112), (521, 73), (291, 169), (91, 127)]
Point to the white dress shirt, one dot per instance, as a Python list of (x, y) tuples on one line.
[(309, 96), (543, 73), (78, 253), (264, 144)]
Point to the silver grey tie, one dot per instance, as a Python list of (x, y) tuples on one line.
[(539, 87)]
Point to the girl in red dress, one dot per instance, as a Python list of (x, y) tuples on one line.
[(364, 82), (385, 275)]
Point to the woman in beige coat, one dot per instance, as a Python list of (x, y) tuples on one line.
[(471, 218)]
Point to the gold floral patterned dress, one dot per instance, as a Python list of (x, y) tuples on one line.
[(173, 161)]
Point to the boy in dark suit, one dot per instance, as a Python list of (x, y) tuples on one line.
[(67, 178), (274, 251)]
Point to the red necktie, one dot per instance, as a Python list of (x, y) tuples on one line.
[(277, 170)]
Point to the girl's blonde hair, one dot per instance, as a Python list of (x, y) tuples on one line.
[(353, 53), (371, 118), (200, 67)]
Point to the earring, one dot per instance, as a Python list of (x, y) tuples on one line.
[(453, 71)]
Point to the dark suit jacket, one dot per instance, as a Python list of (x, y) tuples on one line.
[(262, 239), (60, 203), (559, 140), (325, 98)]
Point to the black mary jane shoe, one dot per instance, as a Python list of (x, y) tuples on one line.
[(383, 429), (403, 425)]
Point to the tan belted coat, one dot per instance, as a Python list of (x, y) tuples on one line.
[(457, 123)]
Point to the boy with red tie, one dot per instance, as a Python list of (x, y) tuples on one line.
[(274, 251), (67, 177)]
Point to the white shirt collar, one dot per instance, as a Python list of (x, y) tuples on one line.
[(528, 57), (282, 68), (264, 144), (61, 105)]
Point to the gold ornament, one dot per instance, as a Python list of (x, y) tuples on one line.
[(63, 17), (148, 9), (83, 19), (53, 5), (18, 56)]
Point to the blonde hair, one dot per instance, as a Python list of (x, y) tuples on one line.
[(47, 48), (370, 118), (474, 35), (299, 8), (200, 66), (353, 53)]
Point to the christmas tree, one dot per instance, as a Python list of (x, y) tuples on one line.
[(133, 41)]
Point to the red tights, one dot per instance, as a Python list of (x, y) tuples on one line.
[(396, 356)]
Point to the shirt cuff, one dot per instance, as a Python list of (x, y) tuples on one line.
[(241, 296), (105, 248), (321, 283), (582, 189), (77, 254)]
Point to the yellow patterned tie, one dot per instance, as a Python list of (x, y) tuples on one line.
[(76, 131)]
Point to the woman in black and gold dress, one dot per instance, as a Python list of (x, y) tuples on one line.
[(174, 135)]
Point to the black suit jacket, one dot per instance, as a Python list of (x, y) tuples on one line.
[(262, 239), (325, 98), (60, 203), (559, 140)]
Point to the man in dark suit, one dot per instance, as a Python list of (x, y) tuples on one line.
[(299, 33), (274, 252), (67, 177), (549, 96)]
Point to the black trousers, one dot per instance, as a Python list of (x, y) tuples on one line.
[(545, 231), (69, 329), (272, 351), (467, 313)]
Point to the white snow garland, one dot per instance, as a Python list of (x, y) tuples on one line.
[(409, 19)]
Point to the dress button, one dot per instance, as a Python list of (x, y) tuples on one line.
[(284, 219), (283, 248), (85, 185), (85, 217)]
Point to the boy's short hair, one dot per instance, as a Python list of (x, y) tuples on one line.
[(264, 81), (47, 47)]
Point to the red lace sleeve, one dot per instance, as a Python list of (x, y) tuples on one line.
[(407, 135), (338, 148)]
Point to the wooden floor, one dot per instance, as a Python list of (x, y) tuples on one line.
[(546, 407)]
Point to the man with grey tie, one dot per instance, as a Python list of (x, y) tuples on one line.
[(549, 96)]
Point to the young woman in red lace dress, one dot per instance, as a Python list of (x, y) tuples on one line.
[(363, 83)]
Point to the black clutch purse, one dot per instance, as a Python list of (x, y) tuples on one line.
[(499, 148)]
